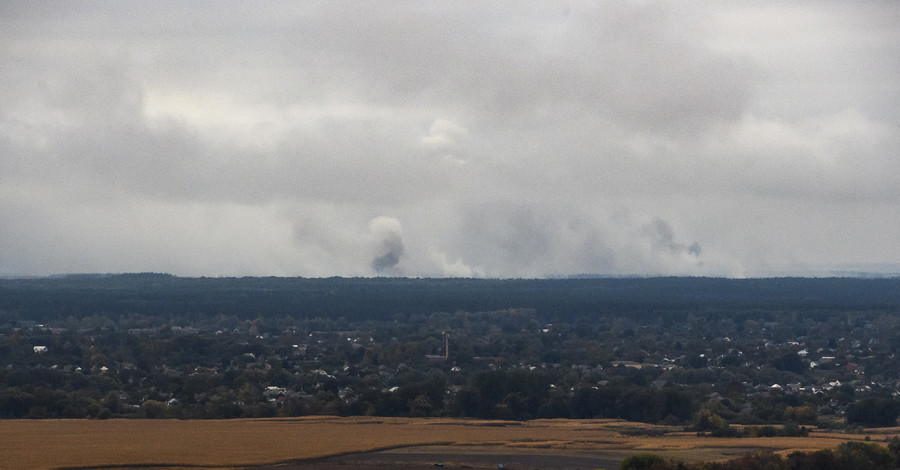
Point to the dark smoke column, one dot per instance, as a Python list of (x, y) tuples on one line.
[(387, 233)]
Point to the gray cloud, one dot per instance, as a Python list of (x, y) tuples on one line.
[(538, 140)]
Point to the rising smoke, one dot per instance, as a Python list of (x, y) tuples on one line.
[(387, 235), (663, 238)]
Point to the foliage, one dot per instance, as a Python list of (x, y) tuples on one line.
[(774, 354), (874, 412), (850, 455), (643, 462)]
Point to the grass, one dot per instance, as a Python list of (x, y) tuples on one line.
[(220, 444)]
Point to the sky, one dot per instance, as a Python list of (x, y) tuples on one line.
[(433, 139)]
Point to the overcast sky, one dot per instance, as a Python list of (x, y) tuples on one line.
[(498, 139)]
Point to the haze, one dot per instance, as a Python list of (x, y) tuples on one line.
[(496, 139)]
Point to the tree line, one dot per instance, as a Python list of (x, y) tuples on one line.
[(847, 456)]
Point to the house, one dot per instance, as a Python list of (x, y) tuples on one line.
[(629, 364)]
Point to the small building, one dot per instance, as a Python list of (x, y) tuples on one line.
[(628, 364), (441, 357)]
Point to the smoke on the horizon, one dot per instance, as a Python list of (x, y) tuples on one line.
[(389, 244)]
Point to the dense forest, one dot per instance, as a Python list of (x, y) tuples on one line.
[(47, 299), (774, 355)]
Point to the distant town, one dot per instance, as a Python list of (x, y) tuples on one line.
[(774, 355)]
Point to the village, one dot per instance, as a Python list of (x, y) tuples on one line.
[(504, 364)]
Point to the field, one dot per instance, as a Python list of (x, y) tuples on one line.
[(303, 442)]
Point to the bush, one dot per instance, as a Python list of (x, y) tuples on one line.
[(708, 421), (153, 409), (864, 455), (643, 462)]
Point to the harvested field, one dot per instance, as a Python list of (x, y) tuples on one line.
[(303, 442)]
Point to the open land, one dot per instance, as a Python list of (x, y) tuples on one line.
[(707, 354), (337, 443)]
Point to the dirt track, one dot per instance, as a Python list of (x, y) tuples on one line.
[(454, 457)]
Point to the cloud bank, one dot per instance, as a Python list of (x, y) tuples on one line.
[(469, 139)]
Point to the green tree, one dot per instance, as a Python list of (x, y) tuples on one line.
[(420, 406), (865, 456), (874, 412), (708, 421), (153, 409)]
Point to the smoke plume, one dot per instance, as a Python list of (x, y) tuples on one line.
[(386, 232)]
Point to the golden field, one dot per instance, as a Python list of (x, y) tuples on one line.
[(47, 444)]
